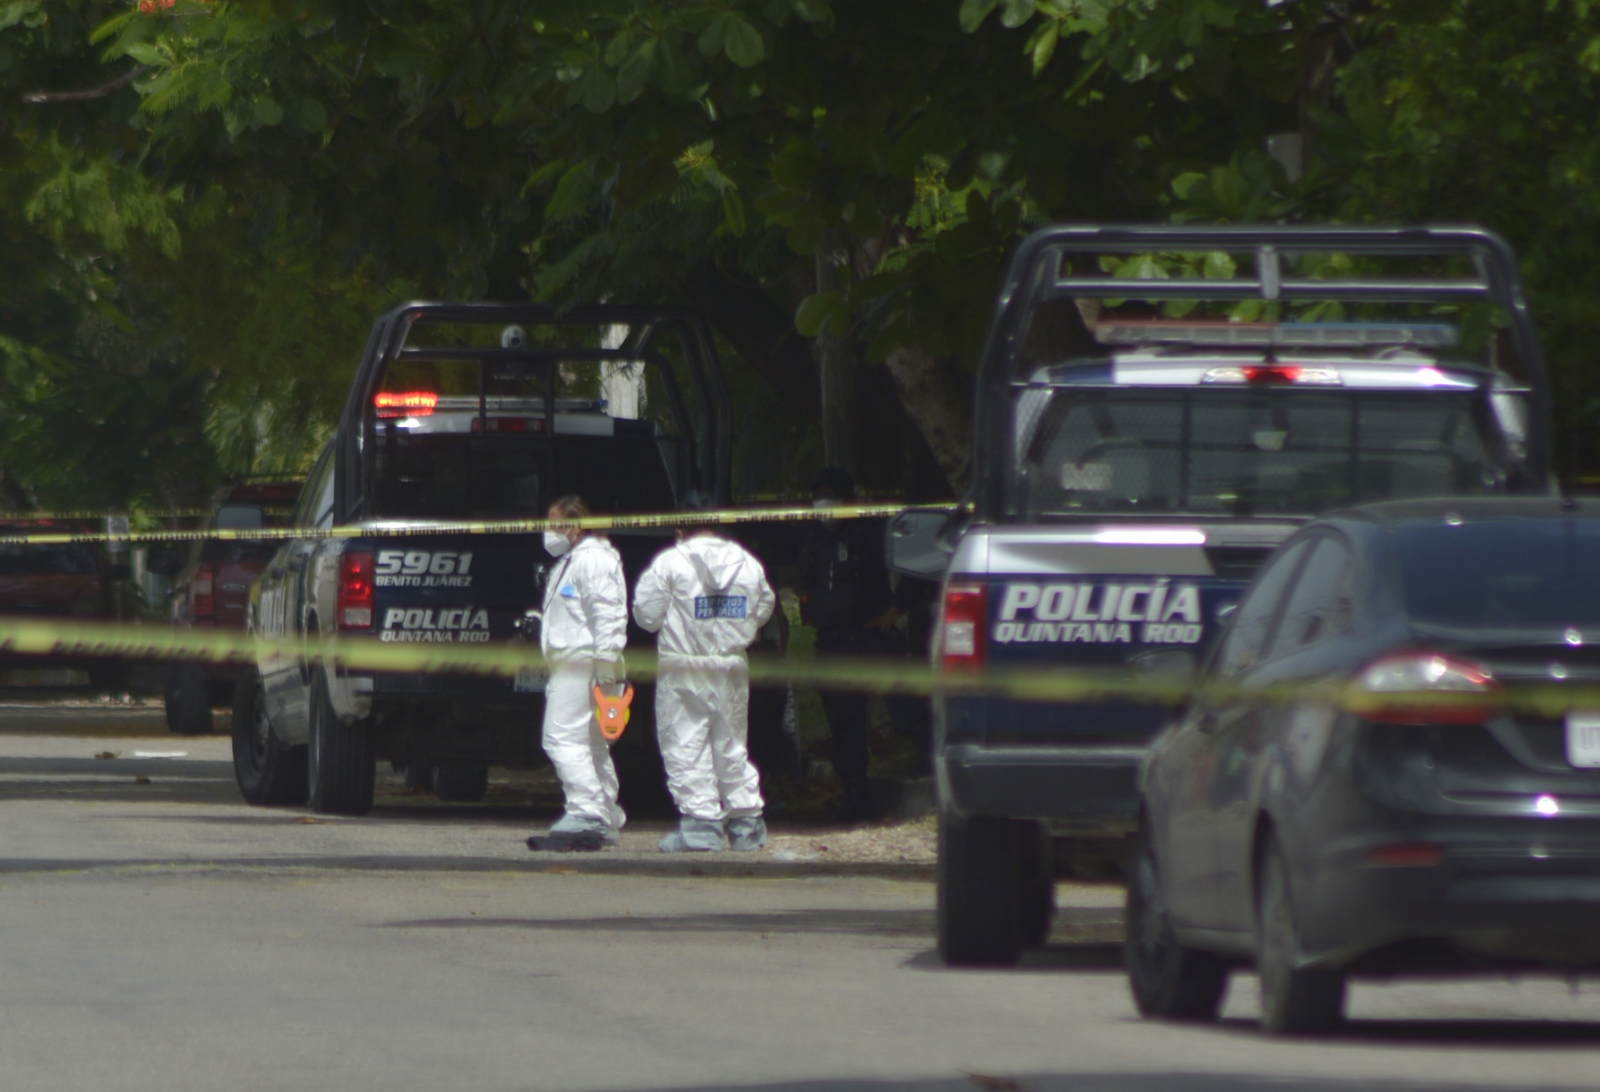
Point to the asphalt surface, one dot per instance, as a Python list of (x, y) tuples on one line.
[(160, 935)]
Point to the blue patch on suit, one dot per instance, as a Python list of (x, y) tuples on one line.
[(718, 606), (569, 592)]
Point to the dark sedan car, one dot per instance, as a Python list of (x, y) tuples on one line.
[(1395, 772)]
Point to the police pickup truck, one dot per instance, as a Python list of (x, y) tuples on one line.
[(461, 412), (1157, 409)]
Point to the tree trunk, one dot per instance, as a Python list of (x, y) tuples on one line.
[(939, 398)]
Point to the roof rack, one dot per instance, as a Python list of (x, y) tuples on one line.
[(1040, 271)]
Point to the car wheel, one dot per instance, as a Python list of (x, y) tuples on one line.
[(194, 701), (1294, 1000), (1169, 981), (461, 784), (267, 771), (992, 899), (341, 759)]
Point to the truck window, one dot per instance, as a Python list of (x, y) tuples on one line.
[(454, 443), (1231, 452)]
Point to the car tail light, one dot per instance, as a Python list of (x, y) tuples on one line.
[(1424, 688), (202, 597), (405, 403), (966, 613), (354, 602)]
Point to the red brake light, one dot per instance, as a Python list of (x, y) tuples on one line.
[(202, 598), (961, 637), (354, 602), (1275, 373), (405, 403), (1424, 688)]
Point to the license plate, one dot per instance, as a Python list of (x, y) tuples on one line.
[(530, 680), (1583, 739)]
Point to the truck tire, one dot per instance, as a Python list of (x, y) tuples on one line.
[(461, 784), (994, 891), (193, 717), (267, 771), (1294, 1000), (1168, 981), (342, 762)]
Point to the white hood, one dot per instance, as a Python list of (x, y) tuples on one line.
[(706, 597)]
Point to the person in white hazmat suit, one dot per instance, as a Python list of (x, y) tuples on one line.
[(582, 634), (706, 598)]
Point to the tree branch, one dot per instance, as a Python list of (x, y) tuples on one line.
[(46, 98)]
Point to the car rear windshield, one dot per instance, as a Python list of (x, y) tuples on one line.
[(1232, 452), (1513, 573)]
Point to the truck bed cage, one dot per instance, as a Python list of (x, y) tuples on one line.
[(649, 327), (1036, 275)]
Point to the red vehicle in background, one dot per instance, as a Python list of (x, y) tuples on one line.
[(211, 589), (62, 582)]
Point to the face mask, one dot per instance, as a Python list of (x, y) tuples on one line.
[(556, 543)]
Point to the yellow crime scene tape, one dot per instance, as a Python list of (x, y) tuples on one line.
[(411, 528), (882, 676)]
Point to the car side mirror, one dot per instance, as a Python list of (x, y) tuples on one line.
[(164, 559), (919, 541)]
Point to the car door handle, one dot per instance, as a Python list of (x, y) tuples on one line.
[(276, 571)]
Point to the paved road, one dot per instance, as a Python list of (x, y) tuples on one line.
[(158, 935)]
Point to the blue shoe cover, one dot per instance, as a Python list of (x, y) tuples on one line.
[(747, 833), (693, 836)]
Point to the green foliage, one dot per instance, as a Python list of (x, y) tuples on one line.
[(280, 170)]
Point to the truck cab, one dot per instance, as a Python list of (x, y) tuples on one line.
[(1159, 409)]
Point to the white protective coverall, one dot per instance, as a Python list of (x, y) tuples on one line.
[(707, 598), (585, 619)]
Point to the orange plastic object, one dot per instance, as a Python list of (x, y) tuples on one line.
[(613, 712)]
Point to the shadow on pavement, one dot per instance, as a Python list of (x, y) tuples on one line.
[(1051, 959), (1096, 1082), (168, 780), (898, 923), (1481, 1032)]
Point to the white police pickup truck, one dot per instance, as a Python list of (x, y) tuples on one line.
[(1158, 408), (461, 412)]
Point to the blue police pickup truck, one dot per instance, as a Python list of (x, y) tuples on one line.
[(462, 412), (1157, 409)]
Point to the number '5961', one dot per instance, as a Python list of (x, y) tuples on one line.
[(419, 562)]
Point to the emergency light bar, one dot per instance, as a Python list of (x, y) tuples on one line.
[(1430, 335), (404, 403)]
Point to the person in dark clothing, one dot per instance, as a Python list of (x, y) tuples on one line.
[(845, 594)]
